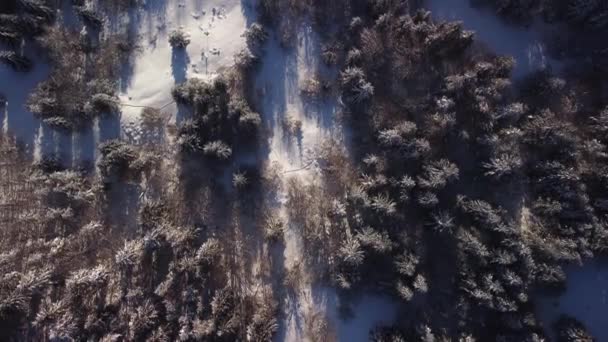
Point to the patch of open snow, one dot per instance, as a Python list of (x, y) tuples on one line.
[(278, 84), (524, 44), (215, 29), (585, 298)]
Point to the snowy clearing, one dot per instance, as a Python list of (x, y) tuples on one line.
[(278, 83), (215, 30)]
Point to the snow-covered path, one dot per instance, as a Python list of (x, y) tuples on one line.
[(292, 148)]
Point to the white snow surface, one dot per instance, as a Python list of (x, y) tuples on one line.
[(524, 44), (278, 84), (215, 28)]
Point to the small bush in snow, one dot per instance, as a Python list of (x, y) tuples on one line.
[(116, 158), (330, 54), (250, 121), (217, 149), (314, 87), (59, 123), (239, 180), (245, 59), (255, 35), (273, 229), (179, 39)]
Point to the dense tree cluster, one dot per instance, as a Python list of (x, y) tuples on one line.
[(68, 273), (460, 196), (81, 259), (82, 84), (220, 120), (437, 124), (472, 192)]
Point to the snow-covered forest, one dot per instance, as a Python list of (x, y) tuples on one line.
[(303, 170)]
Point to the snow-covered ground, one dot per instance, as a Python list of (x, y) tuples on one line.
[(279, 83), (585, 298), (215, 28), (524, 44)]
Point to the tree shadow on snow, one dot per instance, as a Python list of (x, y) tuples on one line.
[(63, 147), (127, 67), (179, 65), (84, 148), (15, 88), (249, 11), (108, 127)]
